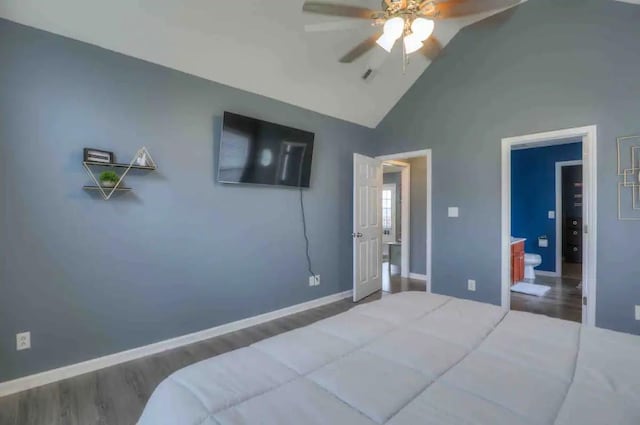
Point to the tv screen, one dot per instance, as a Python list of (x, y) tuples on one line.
[(260, 152)]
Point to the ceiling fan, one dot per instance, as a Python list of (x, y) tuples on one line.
[(411, 20)]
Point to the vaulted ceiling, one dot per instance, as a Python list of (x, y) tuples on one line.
[(255, 45)]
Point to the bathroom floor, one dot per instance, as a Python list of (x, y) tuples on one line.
[(563, 301), (572, 270)]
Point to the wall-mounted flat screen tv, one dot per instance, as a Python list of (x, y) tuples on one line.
[(259, 152)]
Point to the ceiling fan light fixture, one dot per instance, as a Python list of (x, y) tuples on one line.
[(394, 27), (422, 28), (412, 43), (386, 42)]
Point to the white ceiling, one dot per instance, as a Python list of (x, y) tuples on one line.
[(255, 45)]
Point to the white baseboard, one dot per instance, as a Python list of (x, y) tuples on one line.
[(545, 273), (53, 375), (418, 276)]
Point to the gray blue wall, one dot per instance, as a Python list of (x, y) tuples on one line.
[(78, 271), (548, 65), (179, 254), (533, 195)]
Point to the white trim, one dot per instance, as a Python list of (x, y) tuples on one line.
[(589, 158), (405, 217), (428, 154), (417, 276), (545, 273), (429, 157), (404, 155), (53, 375), (559, 211)]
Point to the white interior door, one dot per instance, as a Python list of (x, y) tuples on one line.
[(367, 226)]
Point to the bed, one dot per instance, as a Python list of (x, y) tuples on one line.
[(414, 358)]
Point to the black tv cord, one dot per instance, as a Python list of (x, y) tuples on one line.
[(304, 230)]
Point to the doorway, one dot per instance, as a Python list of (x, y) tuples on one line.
[(542, 217), (536, 257), (395, 210), (392, 245)]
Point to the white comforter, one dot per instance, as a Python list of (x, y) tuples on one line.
[(414, 358)]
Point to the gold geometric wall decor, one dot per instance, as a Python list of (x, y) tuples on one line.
[(629, 174)]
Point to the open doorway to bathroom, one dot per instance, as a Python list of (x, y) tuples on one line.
[(538, 284), (405, 221), (549, 223)]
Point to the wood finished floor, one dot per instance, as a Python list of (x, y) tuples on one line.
[(117, 395), (563, 301)]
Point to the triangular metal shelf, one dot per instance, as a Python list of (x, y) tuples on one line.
[(106, 192)]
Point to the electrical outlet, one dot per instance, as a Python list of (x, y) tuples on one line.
[(23, 341), (638, 312), (314, 280), (471, 285), (552, 215)]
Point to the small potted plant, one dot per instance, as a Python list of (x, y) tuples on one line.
[(108, 179)]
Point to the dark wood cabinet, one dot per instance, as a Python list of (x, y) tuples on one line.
[(572, 213), (517, 262), (572, 249)]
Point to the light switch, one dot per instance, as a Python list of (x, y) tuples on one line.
[(552, 215), (638, 312), (454, 212)]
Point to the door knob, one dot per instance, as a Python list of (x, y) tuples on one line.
[(357, 235)]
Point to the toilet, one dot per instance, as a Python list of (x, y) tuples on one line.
[(531, 261)]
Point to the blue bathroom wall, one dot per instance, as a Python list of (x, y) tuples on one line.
[(533, 195)]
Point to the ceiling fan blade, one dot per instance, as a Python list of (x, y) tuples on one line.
[(431, 48), (343, 10), (335, 26), (360, 49), (458, 8)]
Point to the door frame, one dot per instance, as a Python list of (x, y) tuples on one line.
[(394, 189), (405, 218), (589, 207), (405, 244), (559, 240)]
